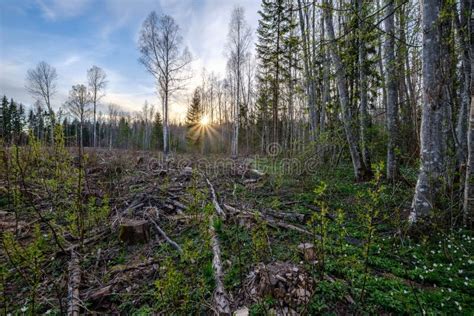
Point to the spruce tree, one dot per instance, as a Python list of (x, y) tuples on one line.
[(157, 132), (273, 32), (193, 118), (6, 120)]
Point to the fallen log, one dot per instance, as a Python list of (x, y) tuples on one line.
[(215, 202), (220, 296), (163, 234), (73, 285), (221, 300)]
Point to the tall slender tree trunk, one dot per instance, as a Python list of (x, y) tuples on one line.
[(392, 91), (276, 83), (165, 126), (326, 83), (364, 115), (462, 120), (95, 119), (309, 79), (360, 171), (432, 160), (407, 98), (468, 205)]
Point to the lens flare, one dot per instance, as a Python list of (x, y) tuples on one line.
[(204, 121)]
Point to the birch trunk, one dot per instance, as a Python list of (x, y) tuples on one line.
[(392, 91), (465, 80), (468, 205), (431, 155), (360, 170), (364, 115), (309, 85)]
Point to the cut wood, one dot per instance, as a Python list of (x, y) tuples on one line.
[(221, 301), (308, 250), (134, 232), (73, 285), (215, 202), (163, 234)]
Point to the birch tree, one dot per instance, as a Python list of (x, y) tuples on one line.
[(363, 84), (392, 90), (41, 84), (431, 153), (160, 45), (96, 77), (468, 62), (78, 105), (361, 171), (238, 43)]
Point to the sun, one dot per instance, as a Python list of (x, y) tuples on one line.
[(204, 121)]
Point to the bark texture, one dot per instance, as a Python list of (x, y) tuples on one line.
[(431, 152)]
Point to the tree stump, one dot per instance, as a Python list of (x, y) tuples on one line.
[(308, 251), (134, 232)]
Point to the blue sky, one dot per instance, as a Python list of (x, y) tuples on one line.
[(73, 35)]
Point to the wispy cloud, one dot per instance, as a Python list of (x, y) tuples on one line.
[(62, 9)]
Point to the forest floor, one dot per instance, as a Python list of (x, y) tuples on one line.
[(287, 243)]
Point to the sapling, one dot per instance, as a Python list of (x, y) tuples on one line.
[(319, 223), (368, 216)]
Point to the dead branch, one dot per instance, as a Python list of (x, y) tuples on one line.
[(217, 206), (271, 221), (163, 234)]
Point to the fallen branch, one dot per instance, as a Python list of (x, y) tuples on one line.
[(215, 202), (163, 234), (271, 221), (123, 269), (297, 217), (73, 285), (89, 240)]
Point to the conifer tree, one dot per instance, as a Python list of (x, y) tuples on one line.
[(273, 32), (5, 120), (194, 133), (157, 132)]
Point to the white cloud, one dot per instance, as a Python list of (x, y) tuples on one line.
[(60, 9)]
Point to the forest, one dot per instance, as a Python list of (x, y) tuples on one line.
[(327, 169)]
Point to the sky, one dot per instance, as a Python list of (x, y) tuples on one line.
[(73, 35)]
